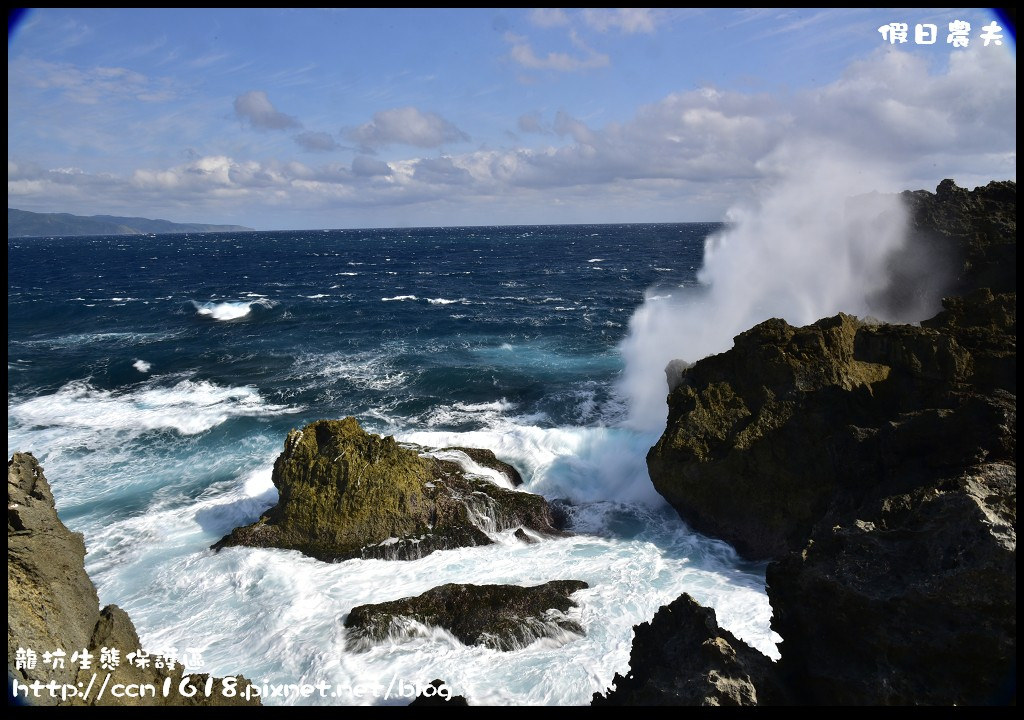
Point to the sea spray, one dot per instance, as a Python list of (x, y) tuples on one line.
[(812, 244)]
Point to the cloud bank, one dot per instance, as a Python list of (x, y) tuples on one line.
[(685, 157)]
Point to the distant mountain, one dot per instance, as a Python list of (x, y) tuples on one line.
[(21, 223)]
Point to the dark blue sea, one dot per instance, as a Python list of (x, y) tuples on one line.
[(156, 377)]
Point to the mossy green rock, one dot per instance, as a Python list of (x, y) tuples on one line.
[(345, 493), (502, 617)]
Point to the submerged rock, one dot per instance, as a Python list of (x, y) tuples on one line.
[(345, 493), (503, 617), (682, 657), (52, 606)]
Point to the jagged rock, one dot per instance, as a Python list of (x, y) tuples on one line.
[(503, 617), (793, 424), (682, 657), (52, 605), (986, 326), (345, 493), (736, 458), (978, 228), (438, 697), (877, 464), (911, 600)]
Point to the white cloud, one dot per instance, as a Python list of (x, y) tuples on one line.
[(317, 141), (89, 85), (366, 166), (531, 123), (522, 52), (685, 157), (627, 20), (406, 126), (256, 107), (548, 17)]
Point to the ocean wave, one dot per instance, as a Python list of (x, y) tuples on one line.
[(188, 407), (230, 310), (584, 464), (399, 298), (279, 629), (365, 371), (112, 338), (444, 301)]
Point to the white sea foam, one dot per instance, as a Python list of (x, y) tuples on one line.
[(444, 301), (112, 338), (581, 464), (365, 371), (277, 615), (230, 310), (399, 298), (142, 366), (472, 467), (187, 406)]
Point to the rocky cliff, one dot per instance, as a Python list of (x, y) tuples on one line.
[(345, 493), (52, 608), (876, 465)]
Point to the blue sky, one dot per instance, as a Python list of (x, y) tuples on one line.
[(289, 119)]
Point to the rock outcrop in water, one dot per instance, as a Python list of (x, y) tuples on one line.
[(502, 617), (52, 606), (346, 493), (682, 657), (876, 464)]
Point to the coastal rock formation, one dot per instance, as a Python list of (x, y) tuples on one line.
[(876, 464), (910, 600), (502, 617), (345, 493), (682, 657), (793, 427), (977, 228), (52, 606)]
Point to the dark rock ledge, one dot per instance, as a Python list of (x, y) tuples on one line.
[(502, 617), (345, 493), (875, 465), (52, 605)]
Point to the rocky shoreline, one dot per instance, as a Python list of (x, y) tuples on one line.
[(875, 465), (52, 608)]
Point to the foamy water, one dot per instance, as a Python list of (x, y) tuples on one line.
[(158, 421)]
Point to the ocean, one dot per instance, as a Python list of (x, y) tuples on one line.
[(155, 379)]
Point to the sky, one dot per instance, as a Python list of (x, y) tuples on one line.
[(315, 118)]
